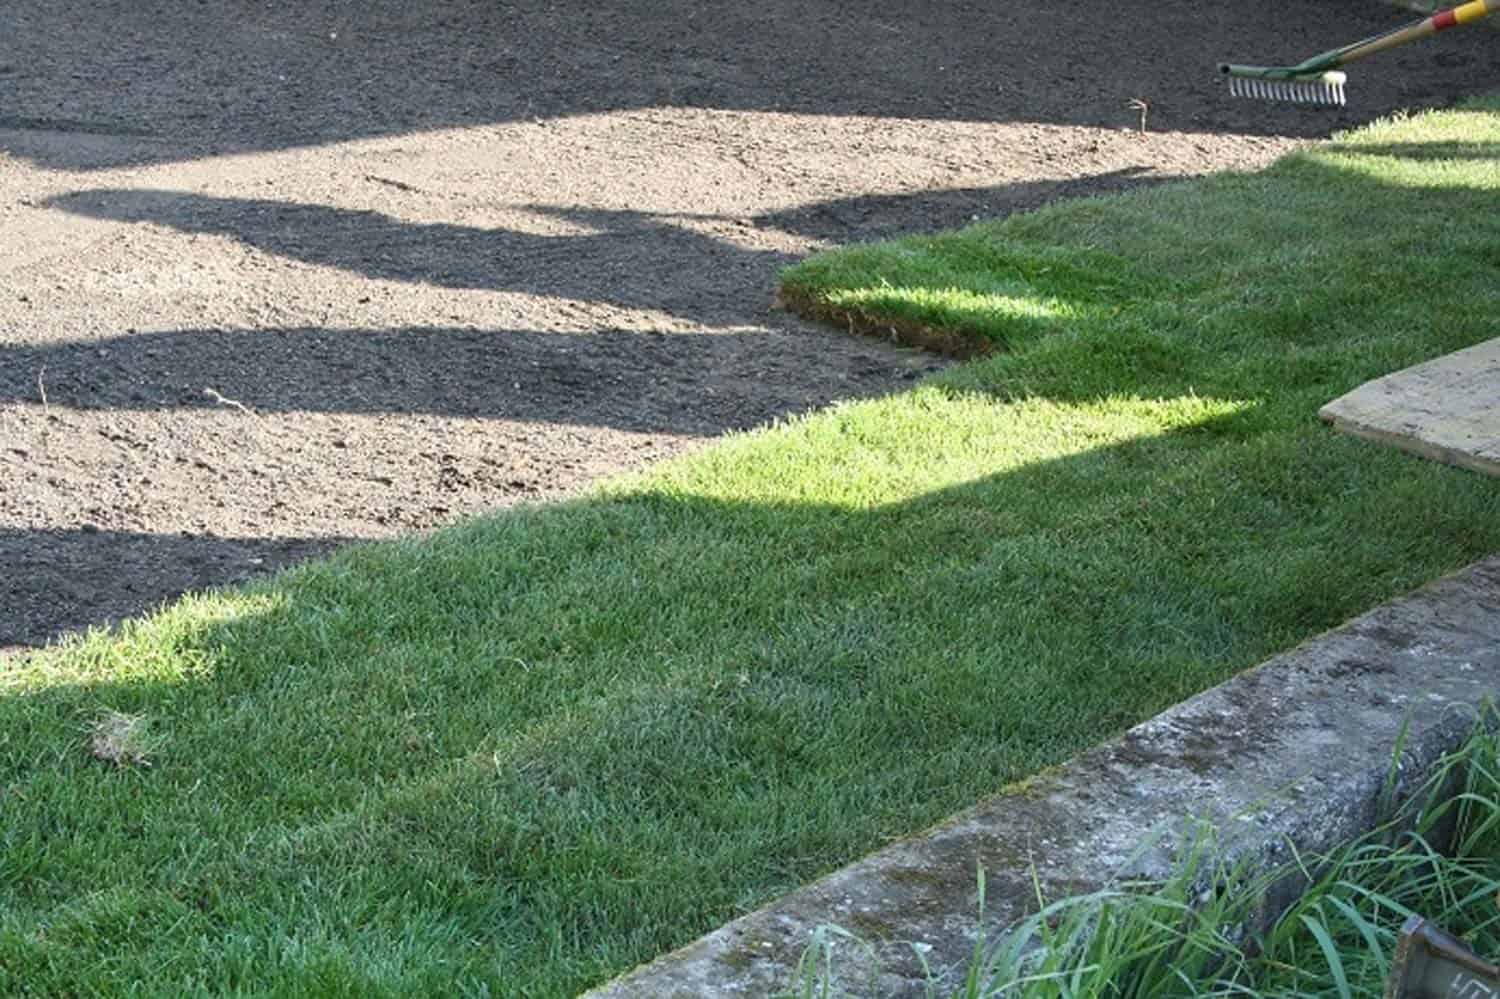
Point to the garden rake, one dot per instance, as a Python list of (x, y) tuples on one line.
[(1318, 81)]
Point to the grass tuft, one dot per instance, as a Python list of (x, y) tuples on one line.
[(1184, 938), (119, 739)]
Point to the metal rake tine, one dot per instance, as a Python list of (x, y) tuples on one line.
[(1327, 89)]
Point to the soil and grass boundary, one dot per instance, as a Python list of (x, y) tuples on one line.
[(527, 753), (976, 291)]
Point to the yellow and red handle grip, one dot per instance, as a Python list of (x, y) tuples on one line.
[(1326, 61), (1441, 21)]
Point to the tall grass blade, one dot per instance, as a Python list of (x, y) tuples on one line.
[(1330, 954)]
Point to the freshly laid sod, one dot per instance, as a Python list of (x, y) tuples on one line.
[(522, 755)]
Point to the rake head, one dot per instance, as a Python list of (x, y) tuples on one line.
[(1277, 84)]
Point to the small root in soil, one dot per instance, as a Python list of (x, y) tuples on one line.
[(223, 401)]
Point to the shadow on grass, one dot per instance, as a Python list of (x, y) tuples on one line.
[(534, 750), (1425, 151)]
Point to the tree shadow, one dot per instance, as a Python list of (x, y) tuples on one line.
[(630, 259), (1424, 151), (61, 580), (93, 85), (692, 384)]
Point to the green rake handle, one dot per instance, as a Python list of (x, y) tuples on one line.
[(1334, 58)]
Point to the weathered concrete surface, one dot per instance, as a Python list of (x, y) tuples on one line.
[(1447, 409), (1296, 750)]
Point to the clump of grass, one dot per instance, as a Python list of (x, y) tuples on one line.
[(119, 739), (1203, 932)]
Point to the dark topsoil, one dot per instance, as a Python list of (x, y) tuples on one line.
[(278, 275)]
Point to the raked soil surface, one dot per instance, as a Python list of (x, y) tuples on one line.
[(279, 275)]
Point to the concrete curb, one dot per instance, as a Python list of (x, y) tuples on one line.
[(1297, 750)]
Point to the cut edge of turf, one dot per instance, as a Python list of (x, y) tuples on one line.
[(814, 300), (959, 343), (959, 338)]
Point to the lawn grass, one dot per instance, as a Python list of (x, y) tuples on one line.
[(523, 754)]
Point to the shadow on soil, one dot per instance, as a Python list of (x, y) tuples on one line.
[(625, 379), (883, 216), (63, 580), (529, 375), (100, 84), (630, 259), (630, 380), (370, 743)]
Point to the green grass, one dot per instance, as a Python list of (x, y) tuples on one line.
[(1205, 932), (524, 754)]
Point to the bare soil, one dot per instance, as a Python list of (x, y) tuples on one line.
[(279, 275)]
